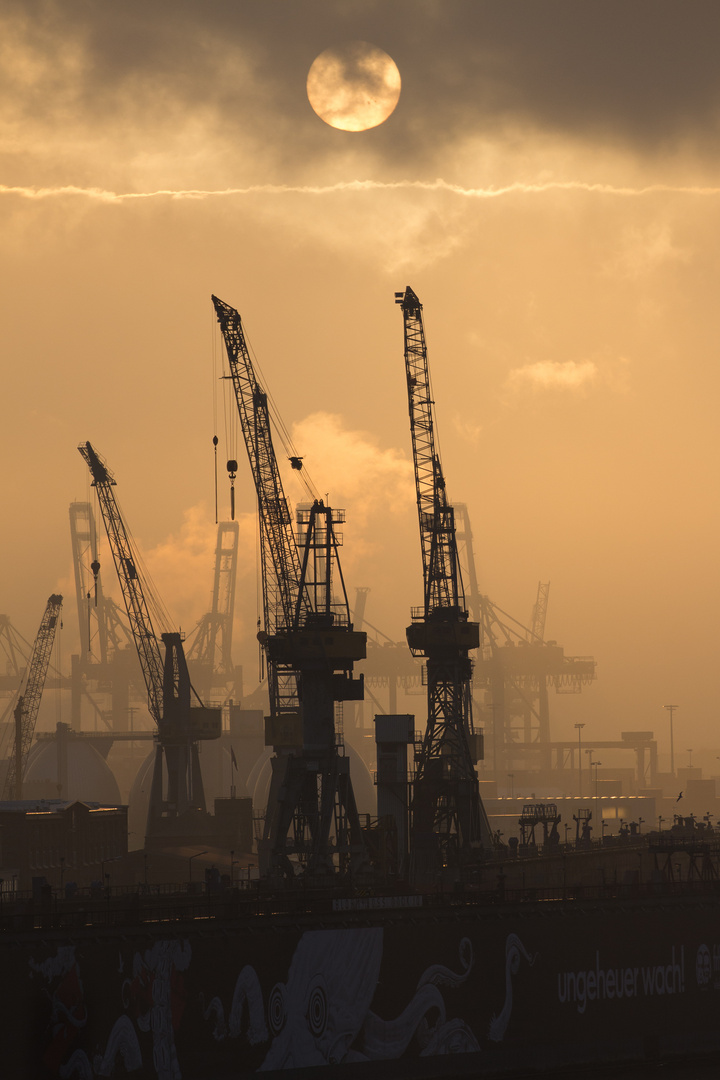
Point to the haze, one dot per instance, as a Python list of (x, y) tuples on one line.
[(548, 185)]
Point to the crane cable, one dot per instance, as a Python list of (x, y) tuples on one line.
[(280, 426)]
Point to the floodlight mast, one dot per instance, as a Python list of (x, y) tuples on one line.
[(450, 825)]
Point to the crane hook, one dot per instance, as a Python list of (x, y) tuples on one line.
[(232, 470), (95, 567)]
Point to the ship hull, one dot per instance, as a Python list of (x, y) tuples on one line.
[(441, 989)]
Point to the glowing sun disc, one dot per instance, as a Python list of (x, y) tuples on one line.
[(353, 86)]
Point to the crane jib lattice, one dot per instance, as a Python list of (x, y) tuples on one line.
[(126, 565), (28, 705)]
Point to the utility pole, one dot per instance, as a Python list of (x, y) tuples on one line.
[(671, 709)]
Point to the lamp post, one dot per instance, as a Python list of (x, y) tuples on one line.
[(195, 856), (106, 877), (579, 731), (671, 709), (597, 765), (590, 768)]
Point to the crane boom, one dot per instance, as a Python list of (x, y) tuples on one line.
[(280, 560), (28, 705), (126, 561), (449, 820), (179, 725), (310, 647), (441, 570)]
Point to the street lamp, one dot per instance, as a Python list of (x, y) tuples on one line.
[(106, 877), (671, 709), (579, 731), (195, 856)]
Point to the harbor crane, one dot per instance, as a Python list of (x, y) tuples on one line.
[(310, 647), (515, 668), (102, 630), (180, 725), (210, 655), (450, 824), (28, 703)]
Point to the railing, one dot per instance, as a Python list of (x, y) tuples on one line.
[(246, 901)]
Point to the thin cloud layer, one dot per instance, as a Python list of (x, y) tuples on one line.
[(554, 375)]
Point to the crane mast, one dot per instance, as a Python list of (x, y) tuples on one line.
[(310, 646), (179, 725), (449, 820), (28, 704)]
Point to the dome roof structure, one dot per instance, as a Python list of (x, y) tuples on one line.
[(70, 767)]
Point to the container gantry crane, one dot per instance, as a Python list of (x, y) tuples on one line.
[(102, 629), (180, 725), (514, 668), (449, 823), (310, 647), (28, 704), (210, 656)]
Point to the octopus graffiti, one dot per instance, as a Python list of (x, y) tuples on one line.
[(322, 1012)]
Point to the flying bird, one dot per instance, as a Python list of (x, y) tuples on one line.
[(679, 797)]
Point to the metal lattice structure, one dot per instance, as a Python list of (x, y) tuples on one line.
[(167, 682), (539, 613), (126, 564), (210, 655), (280, 560), (449, 820), (102, 629), (28, 704), (310, 648)]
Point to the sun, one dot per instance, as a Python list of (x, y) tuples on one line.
[(353, 86)]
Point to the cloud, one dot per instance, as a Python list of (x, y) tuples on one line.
[(553, 375), (349, 465), (643, 250), (468, 430), (158, 92), (539, 187)]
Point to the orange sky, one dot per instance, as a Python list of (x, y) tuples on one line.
[(547, 184)]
